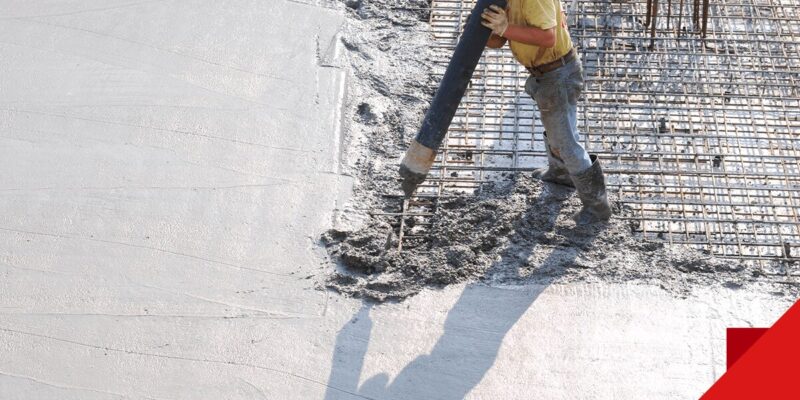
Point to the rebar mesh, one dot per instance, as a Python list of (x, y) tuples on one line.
[(698, 136)]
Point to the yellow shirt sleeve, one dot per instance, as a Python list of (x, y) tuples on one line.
[(541, 13)]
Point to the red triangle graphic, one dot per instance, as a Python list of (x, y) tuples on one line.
[(770, 369), (739, 340)]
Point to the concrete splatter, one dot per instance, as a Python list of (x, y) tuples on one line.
[(516, 232)]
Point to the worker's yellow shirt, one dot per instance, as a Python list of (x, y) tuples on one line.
[(542, 14)]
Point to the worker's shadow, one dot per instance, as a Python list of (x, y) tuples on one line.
[(473, 331)]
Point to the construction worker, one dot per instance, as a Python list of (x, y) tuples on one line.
[(537, 34)]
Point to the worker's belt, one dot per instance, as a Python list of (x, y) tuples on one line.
[(545, 68)]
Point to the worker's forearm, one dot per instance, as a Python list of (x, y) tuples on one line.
[(531, 35), (496, 42)]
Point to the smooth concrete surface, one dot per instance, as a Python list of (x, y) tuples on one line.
[(581, 341), (166, 168)]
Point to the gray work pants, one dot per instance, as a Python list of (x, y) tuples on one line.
[(556, 92)]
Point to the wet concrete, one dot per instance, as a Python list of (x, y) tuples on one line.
[(514, 231), (520, 232)]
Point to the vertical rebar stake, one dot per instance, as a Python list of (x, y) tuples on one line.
[(669, 12), (705, 17), (653, 27), (403, 208)]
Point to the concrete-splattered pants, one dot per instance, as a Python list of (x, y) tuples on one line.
[(556, 92)]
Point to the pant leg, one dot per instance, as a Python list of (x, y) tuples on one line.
[(553, 161), (556, 94)]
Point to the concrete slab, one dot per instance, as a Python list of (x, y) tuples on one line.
[(582, 341), (167, 166)]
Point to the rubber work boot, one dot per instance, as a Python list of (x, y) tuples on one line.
[(555, 171), (591, 186), (553, 174)]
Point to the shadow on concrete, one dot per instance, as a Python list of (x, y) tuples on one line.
[(473, 332)]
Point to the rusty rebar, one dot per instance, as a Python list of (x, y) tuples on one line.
[(722, 173), (654, 23)]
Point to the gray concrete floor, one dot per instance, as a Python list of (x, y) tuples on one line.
[(166, 168)]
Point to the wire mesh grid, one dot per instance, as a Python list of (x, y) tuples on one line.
[(698, 136)]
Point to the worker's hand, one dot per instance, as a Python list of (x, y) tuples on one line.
[(495, 18)]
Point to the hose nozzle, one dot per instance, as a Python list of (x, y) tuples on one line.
[(415, 166)]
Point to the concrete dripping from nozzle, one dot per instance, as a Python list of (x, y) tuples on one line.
[(421, 154)]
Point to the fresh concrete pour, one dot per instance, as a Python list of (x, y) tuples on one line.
[(516, 231), (169, 168), (521, 233)]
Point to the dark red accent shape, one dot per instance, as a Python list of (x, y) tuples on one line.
[(769, 369), (739, 341)]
